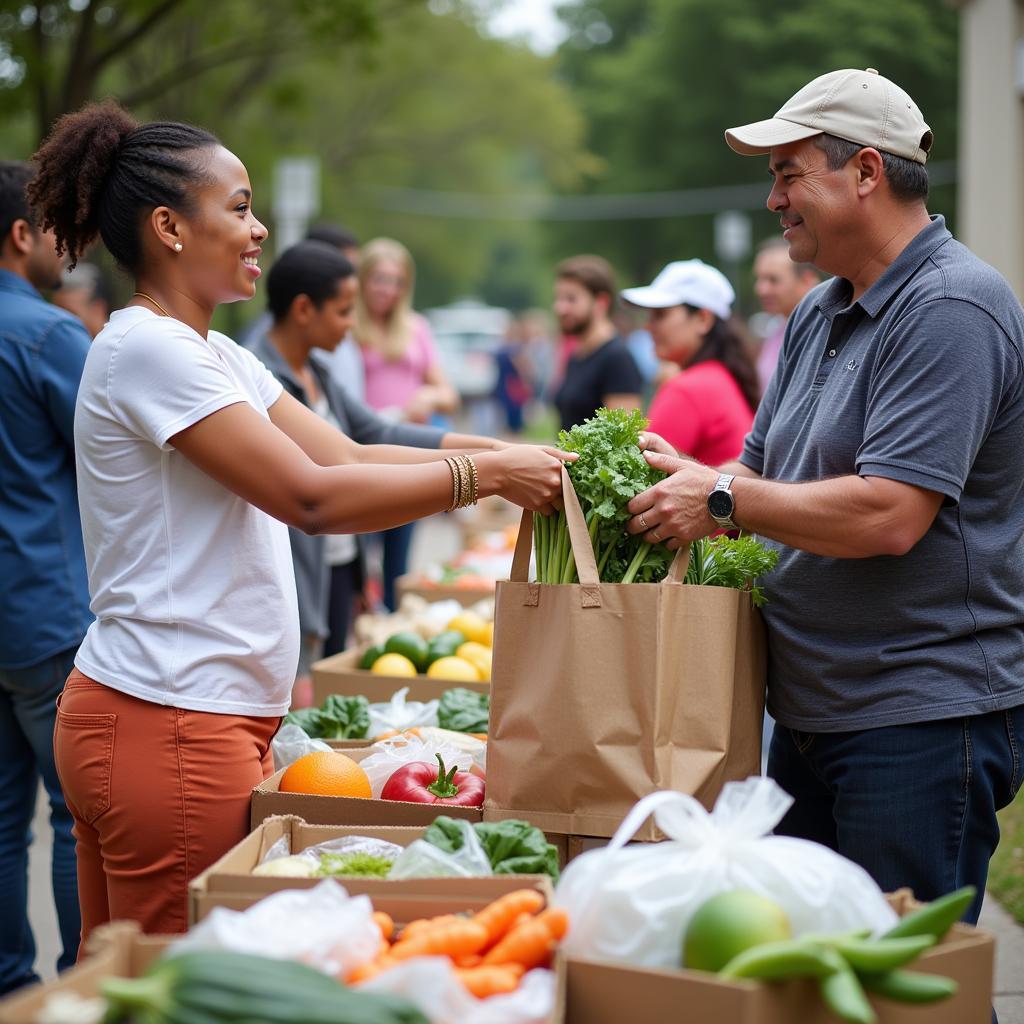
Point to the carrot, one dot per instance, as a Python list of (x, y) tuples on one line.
[(364, 972), (489, 981), (498, 917), (426, 922), (469, 960), (455, 938), (531, 943), (385, 923), (478, 736)]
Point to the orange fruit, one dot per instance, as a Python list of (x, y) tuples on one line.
[(326, 773)]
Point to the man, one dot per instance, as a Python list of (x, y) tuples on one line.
[(886, 464), (84, 293), (44, 599), (599, 369), (779, 284)]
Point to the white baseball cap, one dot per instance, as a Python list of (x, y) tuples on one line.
[(859, 106), (686, 281)]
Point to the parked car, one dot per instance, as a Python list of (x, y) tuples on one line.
[(468, 334)]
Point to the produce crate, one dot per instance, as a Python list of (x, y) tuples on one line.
[(601, 992), (340, 674), (268, 800), (229, 882), (119, 950)]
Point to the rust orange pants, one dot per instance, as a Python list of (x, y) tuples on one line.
[(157, 795)]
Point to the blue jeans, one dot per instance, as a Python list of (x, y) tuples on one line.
[(915, 805), (28, 710), (397, 542)]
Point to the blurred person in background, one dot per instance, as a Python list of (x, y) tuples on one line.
[(85, 293), (707, 409), (402, 368), (44, 599), (515, 382), (779, 284), (311, 296), (599, 370)]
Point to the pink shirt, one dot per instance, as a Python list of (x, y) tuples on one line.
[(390, 383), (702, 412)]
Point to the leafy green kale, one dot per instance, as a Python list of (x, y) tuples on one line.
[(464, 710), (724, 561), (610, 471), (513, 847), (338, 718)]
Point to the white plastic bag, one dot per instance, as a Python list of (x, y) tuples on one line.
[(421, 859), (399, 713), (308, 863), (633, 904), (323, 927), (291, 743), (392, 754), (429, 983)]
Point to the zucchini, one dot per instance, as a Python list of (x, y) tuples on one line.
[(221, 987)]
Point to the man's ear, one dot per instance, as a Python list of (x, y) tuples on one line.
[(867, 162), (301, 311), (21, 238)]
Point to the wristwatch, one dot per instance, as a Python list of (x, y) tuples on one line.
[(721, 504)]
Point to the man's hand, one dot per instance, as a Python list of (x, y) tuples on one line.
[(674, 510), (651, 442)]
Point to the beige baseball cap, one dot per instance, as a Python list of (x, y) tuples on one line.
[(859, 106)]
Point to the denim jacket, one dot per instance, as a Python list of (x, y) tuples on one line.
[(44, 592), (363, 425)]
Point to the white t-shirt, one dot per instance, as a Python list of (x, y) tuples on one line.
[(192, 587)]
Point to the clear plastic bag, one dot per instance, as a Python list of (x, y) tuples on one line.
[(291, 743), (633, 904), (392, 754), (399, 713), (421, 859), (323, 927), (430, 984), (308, 862)]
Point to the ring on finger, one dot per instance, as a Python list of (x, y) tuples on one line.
[(642, 521)]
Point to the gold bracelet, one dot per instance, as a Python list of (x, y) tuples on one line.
[(466, 482), (473, 479), (453, 465)]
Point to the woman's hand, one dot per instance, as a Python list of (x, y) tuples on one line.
[(526, 475)]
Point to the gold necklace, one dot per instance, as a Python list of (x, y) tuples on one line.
[(143, 295)]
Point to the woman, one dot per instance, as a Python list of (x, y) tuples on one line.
[(402, 368), (706, 410), (192, 462), (311, 296)]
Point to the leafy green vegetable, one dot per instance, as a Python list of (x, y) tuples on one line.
[(339, 718), (363, 865), (463, 710), (610, 471), (724, 561), (513, 847)]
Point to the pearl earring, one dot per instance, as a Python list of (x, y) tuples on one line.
[(177, 246)]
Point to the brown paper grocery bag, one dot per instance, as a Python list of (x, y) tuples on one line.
[(604, 692)]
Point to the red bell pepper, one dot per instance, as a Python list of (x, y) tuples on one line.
[(422, 783)]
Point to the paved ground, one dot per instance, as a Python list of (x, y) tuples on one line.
[(438, 541)]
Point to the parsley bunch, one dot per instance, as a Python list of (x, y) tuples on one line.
[(724, 561), (610, 471)]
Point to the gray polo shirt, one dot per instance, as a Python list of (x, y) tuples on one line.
[(921, 380)]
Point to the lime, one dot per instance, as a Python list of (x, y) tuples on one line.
[(410, 645), (370, 655), (393, 665), (729, 923), (444, 645), (457, 669)]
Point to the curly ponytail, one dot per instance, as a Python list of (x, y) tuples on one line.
[(99, 172)]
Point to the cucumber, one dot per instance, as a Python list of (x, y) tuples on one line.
[(221, 987)]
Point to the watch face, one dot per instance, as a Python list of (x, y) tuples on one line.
[(720, 504)]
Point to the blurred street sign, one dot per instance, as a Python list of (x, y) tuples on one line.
[(296, 198)]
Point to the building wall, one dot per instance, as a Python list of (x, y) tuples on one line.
[(990, 216)]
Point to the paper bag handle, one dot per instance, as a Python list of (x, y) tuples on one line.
[(579, 538)]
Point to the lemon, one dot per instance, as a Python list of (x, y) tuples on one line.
[(393, 665), (729, 923), (477, 655), (457, 669), (472, 627)]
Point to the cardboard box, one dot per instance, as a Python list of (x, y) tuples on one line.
[(268, 800), (340, 674), (115, 950), (600, 992), (229, 882)]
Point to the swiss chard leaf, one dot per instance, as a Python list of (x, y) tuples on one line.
[(463, 710)]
